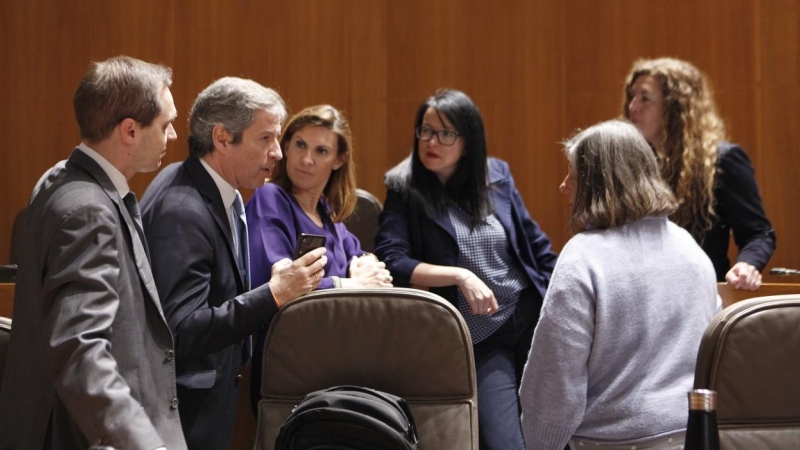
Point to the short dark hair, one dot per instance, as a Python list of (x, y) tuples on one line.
[(340, 191), (617, 178), (232, 103), (116, 89), (467, 187)]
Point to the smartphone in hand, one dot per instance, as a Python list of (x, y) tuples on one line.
[(306, 243)]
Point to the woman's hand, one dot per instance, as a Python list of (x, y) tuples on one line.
[(744, 276), (367, 271), (480, 298)]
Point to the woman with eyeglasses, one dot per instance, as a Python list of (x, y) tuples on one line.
[(671, 103), (454, 222)]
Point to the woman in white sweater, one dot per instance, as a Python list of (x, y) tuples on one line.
[(613, 355)]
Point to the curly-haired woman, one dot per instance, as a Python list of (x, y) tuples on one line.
[(671, 103)]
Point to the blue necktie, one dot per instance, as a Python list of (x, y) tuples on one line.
[(241, 240)]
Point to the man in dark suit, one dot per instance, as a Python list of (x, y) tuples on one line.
[(195, 224), (91, 358)]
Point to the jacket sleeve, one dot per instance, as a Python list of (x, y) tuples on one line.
[(80, 304), (555, 382), (393, 241), (184, 243), (537, 240), (527, 230), (350, 243), (739, 204), (271, 231)]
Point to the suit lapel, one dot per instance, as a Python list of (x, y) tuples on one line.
[(139, 255), (209, 190), (442, 219), (501, 201)]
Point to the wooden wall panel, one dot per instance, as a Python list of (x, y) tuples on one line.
[(777, 135), (45, 48), (537, 70), (506, 64)]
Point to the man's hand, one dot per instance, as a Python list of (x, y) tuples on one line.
[(291, 279)]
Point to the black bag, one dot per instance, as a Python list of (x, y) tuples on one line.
[(349, 418)]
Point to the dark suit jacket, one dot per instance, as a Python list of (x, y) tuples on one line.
[(203, 295), (409, 236), (91, 353), (739, 209)]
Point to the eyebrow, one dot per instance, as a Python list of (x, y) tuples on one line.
[(444, 127)]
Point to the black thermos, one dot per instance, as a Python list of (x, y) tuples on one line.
[(701, 431)]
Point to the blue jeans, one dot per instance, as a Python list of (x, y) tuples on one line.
[(499, 361)]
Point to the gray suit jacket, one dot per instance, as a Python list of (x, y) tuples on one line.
[(91, 357)]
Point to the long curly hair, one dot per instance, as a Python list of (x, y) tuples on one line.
[(687, 148)]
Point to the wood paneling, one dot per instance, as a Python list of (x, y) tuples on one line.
[(537, 70), (7, 299)]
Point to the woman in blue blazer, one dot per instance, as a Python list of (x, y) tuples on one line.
[(454, 222)]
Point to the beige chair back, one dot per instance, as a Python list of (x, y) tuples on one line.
[(407, 342), (750, 355), (363, 223)]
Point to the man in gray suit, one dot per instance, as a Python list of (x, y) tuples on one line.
[(91, 359), (195, 224)]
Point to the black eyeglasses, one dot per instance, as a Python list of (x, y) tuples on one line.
[(445, 137)]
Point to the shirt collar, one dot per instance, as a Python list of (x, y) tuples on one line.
[(119, 180), (227, 191)]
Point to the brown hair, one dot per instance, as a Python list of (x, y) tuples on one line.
[(340, 191), (688, 146), (116, 89), (616, 178)]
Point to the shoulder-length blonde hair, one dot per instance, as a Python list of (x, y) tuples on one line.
[(616, 178), (340, 191), (688, 145)]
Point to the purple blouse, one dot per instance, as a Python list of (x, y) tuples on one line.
[(275, 220)]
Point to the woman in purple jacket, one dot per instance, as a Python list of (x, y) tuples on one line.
[(313, 191), (454, 222)]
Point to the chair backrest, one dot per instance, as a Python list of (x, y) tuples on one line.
[(406, 342), (750, 355), (363, 223), (5, 337)]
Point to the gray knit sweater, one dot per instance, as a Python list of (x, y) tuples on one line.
[(614, 352)]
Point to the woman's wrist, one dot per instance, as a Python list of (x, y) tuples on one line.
[(465, 277), (337, 282)]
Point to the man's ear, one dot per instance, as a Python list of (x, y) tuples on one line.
[(221, 138), (127, 130)]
